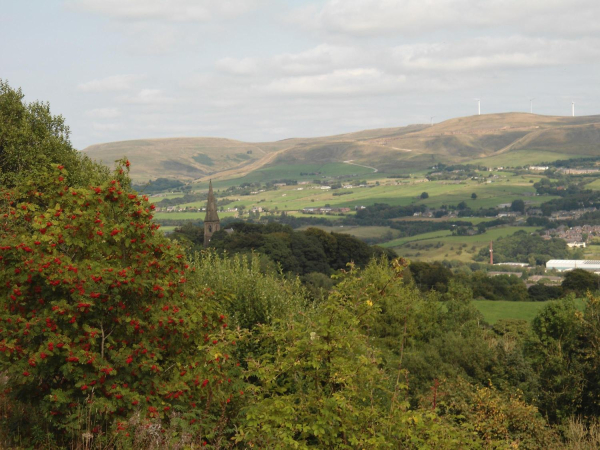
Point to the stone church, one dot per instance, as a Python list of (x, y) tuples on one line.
[(212, 224)]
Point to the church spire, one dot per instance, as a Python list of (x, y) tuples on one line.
[(211, 206), (211, 221)]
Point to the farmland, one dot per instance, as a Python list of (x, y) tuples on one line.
[(494, 310)]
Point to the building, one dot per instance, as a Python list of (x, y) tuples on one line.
[(563, 265), (212, 224)]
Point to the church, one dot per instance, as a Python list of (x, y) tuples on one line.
[(212, 224)]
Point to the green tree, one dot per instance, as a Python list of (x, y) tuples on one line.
[(553, 351), (424, 195), (31, 139), (97, 318), (518, 206), (474, 196), (580, 281), (323, 384)]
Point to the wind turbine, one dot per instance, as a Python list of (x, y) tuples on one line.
[(531, 105), (573, 109), (432, 120), (478, 106)]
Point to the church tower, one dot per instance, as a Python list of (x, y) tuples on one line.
[(212, 223)]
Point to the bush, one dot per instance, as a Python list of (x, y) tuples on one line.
[(97, 322)]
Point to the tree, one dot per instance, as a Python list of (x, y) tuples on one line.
[(580, 281), (474, 196), (424, 195), (96, 317), (462, 206), (31, 139), (518, 206)]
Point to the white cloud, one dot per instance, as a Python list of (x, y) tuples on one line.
[(361, 70), (417, 17), (103, 113), (244, 66), (353, 82), (149, 97), (484, 53), (107, 126), (112, 83), (171, 10)]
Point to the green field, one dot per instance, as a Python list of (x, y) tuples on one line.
[(524, 157), (360, 232), (595, 185), (494, 310), (293, 171), (440, 245)]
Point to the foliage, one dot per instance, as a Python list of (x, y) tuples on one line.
[(500, 420), (518, 206), (524, 247), (542, 292), (580, 281), (553, 351), (97, 318), (31, 139), (429, 276), (298, 252), (248, 289), (324, 386)]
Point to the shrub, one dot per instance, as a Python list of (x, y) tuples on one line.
[(97, 322)]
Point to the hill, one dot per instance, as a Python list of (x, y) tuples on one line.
[(492, 139)]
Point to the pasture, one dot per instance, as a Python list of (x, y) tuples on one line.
[(494, 310), (440, 245)]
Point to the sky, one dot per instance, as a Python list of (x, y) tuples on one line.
[(264, 70)]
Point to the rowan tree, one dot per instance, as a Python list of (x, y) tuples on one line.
[(96, 315)]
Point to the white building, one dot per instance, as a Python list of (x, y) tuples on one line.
[(563, 265)]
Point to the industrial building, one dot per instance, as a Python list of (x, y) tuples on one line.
[(563, 265)]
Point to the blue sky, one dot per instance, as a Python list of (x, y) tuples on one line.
[(262, 70)]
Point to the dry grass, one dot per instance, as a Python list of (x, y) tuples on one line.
[(460, 140)]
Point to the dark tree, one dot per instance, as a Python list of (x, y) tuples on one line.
[(518, 206), (580, 281)]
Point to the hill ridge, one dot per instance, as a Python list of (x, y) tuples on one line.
[(411, 147)]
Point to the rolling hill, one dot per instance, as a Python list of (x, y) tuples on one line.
[(492, 139)]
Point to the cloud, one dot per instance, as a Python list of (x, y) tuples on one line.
[(103, 113), (162, 10), (418, 17), (485, 53), (107, 126), (354, 82), (149, 97), (244, 66), (112, 83), (360, 70)]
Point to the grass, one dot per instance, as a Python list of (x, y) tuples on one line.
[(494, 310), (360, 232), (440, 245), (293, 171), (595, 185), (524, 157)]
